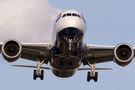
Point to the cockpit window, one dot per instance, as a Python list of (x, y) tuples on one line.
[(74, 14), (69, 14), (79, 16), (64, 15)]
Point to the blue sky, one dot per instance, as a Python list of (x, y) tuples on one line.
[(109, 22)]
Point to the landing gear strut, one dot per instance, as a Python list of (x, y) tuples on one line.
[(92, 75), (37, 72)]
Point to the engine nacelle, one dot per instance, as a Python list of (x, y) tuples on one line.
[(123, 54), (11, 50)]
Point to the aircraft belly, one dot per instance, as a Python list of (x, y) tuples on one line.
[(65, 66)]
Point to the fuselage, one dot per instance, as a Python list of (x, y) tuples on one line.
[(67, 51)]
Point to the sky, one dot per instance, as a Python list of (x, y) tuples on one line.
[(109, 22)]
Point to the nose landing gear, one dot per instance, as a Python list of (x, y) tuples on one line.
[(70, 42)]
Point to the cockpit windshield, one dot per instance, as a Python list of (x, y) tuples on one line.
[(71, 14)]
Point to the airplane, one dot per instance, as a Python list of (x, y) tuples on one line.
[(67, 51)]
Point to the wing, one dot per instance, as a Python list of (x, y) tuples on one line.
[(31, 51), (98, 53)]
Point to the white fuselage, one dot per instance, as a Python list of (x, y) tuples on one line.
[(68, 21), (69, 30)]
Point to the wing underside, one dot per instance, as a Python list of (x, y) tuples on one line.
[(98, 53), (35, 50)]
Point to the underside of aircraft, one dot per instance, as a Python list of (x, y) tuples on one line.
[(67, 51)]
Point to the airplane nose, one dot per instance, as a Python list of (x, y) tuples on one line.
[(68, 22), (73, 23)]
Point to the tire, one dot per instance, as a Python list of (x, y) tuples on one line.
[(34, 75), (96, 76), (88, 77), (42, 74)]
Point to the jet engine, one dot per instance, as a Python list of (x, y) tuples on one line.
[(123, 54), (11, 50)]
